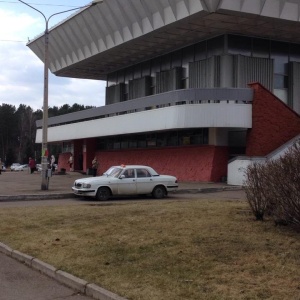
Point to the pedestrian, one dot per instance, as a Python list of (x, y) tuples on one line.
[(70, 161), (52, 163), (1, 166), (95, 165), (32, 165)]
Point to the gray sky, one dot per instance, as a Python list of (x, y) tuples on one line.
[(21, 72)]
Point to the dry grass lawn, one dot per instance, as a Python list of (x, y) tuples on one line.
[(148, 250)]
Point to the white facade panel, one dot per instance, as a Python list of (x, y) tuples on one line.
[(236, 172), (174, 117)]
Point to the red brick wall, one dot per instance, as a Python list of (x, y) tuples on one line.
[(273, 123), (199, 163), (63, 161)]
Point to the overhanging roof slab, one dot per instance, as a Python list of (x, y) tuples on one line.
[(100, 39)]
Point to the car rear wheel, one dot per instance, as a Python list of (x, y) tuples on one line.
[(103, 194), (159, 192)]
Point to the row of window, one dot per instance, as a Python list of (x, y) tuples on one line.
[(155, 140), (281, 52)]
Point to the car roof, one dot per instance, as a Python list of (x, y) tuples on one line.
[(123, 166), (131, 166)]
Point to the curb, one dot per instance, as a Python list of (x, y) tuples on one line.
[(71, 195), (207, 190), (69, 280), (36, 197)]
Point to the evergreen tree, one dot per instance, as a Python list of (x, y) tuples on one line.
[(18, 131)]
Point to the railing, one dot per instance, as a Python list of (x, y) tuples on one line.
[(178, 97)]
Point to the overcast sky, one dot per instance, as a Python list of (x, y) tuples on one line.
[(21, 71)]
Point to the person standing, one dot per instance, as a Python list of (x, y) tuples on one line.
[(71, 162), (32, 165), (95, 165), (52, 163)]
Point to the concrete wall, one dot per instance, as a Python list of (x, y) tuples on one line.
[(237, 168)]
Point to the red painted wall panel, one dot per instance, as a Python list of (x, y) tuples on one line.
[(63, 161), (273, 123), (203, 163)]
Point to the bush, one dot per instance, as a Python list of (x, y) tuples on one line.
[(255, 189), (274, 188)]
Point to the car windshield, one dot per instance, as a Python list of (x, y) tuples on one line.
[(113, 171)]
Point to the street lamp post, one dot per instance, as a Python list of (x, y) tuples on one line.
[(44, 185)]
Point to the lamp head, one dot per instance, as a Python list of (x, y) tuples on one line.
[(95, 2)]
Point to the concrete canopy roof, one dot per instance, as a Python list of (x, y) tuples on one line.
[(119, 33)]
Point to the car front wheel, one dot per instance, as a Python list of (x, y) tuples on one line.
[(159, 192), (103, 194)]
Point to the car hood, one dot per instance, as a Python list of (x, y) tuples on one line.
[(96, 180)]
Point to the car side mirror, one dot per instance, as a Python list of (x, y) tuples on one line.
[(122, 176)]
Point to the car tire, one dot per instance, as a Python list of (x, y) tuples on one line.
[(103, 194), (159, 192)]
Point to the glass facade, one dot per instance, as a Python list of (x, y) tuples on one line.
[(174, 138), (68, 147), (280, 53)]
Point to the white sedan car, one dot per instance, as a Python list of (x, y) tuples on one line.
[(24, 167), (14, 166), (126, 180)]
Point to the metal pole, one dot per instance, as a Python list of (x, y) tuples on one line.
[(44, 162)]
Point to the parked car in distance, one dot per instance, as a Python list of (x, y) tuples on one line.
[(14, 166), (39, 167), (126, 180), (24, 167)]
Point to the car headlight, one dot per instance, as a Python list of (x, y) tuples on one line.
[(86, 185)]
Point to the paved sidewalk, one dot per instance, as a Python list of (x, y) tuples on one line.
[(22, 186), (25, 277), (18, 281)]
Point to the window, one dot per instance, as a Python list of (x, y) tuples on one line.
[(261, 48), (142, 173), (215, 46), (197, 136), (200, 52), (280, 81), (295, 52), (129, 173), (68, 147), (239, 45)]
